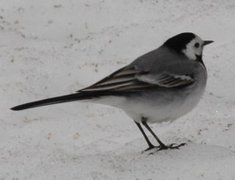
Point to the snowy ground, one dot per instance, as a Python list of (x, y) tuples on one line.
[(50, 48)]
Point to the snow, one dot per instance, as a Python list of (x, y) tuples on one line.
[(50, 48)]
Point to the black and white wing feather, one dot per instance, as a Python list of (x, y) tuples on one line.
[(168, 80), (125, 79), (129, 79)]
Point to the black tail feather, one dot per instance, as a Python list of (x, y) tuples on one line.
[(50, 101)]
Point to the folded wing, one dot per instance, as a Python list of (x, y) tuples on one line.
[(129, 79)]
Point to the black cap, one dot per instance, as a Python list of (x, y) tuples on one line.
[(179, 42)]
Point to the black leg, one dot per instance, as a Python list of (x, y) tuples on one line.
[(162, 145), (151, 146), (154, 135)]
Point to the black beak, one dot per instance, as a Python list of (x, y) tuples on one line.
[(207, 42)]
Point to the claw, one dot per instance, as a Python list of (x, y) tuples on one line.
[(150, 148), (172, 145)]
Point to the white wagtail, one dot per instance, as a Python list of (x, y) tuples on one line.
[(161, 85)]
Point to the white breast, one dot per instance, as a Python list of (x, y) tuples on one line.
[(157, 109), (166, 106)]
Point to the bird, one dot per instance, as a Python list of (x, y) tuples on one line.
[(159, 86)]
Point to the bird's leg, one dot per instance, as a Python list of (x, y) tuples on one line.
[(161, 146), (151, 146), (144, 122)]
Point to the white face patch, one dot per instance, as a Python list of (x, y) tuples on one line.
[(194, 48)]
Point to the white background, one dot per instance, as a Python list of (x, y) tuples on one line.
[(50, 48)]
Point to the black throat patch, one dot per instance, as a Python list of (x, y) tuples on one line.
[(199, 59)]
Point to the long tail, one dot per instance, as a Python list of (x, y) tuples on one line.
[(54, 100)]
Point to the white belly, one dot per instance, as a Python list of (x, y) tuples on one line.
[(157, 109), (158, 106), (162, 112)]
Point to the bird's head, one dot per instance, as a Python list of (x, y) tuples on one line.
[(188, 44)]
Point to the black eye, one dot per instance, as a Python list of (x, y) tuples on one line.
[(196, 45)]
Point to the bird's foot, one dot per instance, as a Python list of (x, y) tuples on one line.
[(165, 147), (171, 146)]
